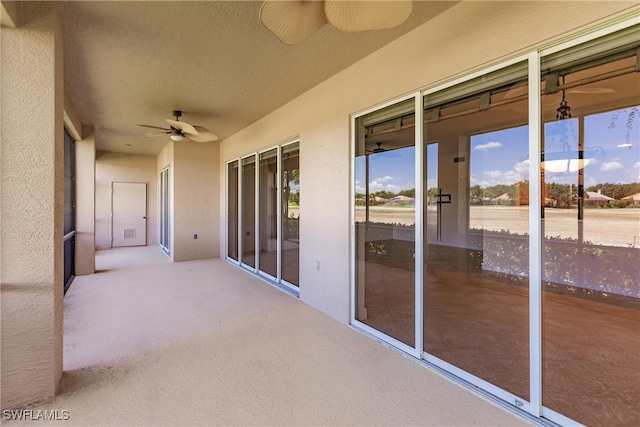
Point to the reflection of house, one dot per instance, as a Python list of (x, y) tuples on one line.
[(634, 197), (597, 198), (503, 198), (401, 200)]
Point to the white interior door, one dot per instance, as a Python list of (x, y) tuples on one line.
[(129, 216)]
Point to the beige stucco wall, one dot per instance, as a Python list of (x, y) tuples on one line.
[(32, 168), (85, 203), (463, 38), (122, 167), (196, 172)]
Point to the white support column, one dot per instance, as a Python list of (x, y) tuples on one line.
[(85, 204)]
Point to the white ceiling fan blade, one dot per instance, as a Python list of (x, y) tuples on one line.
[(205, 135), (353, 16), (183, 126), (158, 133), (153, 127), (292, 21)]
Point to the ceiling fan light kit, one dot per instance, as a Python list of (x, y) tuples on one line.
[(180, 131), (293, 22)]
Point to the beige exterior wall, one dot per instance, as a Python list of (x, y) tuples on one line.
[(196, 171), (32, 168), (122, 167), (85, 204), (465, 37)]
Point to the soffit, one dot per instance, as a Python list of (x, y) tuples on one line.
[(130, 62)]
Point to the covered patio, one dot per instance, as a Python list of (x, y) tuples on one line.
[(152, 342)]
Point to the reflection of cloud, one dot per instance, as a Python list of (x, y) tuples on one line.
[(375, 186), (496, 177), (488, 145), (381, 184), (636, 165), (611, 166), (522, 168), (489, 178)]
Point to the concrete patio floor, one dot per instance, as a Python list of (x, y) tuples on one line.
[(151, 342)]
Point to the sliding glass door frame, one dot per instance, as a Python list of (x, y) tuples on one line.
[(164, 240), (533, 59)]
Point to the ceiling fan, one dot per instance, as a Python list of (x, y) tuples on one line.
[(183, 130), (294, 21)]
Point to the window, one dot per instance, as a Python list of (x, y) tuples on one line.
[(69, 209)]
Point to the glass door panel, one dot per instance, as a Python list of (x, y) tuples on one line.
[(591, 240), (385, 221), (291, 213), (232, 203), (476, 310), (249, 211), (268, 212), (432, 199)]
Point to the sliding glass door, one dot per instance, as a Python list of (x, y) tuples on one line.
[(164, 210), (263, 205), (384, 189), (233, 177), (496, 233), (268, 212), (476, 288), (290, 218), (590, 176)]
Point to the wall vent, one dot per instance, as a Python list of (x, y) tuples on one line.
[(129, 233)]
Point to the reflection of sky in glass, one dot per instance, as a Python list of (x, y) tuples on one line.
[(500, 157), (610, 131), (392, 171)]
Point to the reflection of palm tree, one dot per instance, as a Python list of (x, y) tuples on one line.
[(631, 115), (289, 177)]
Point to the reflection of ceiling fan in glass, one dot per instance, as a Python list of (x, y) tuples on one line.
[(378, 149), (294, 21)]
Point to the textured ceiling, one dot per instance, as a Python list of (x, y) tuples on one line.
[(131, 62)]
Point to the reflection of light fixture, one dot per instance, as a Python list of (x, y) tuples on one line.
[(177, 137), (564, 111), (570, 161), (564, 165), (625, 145)]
